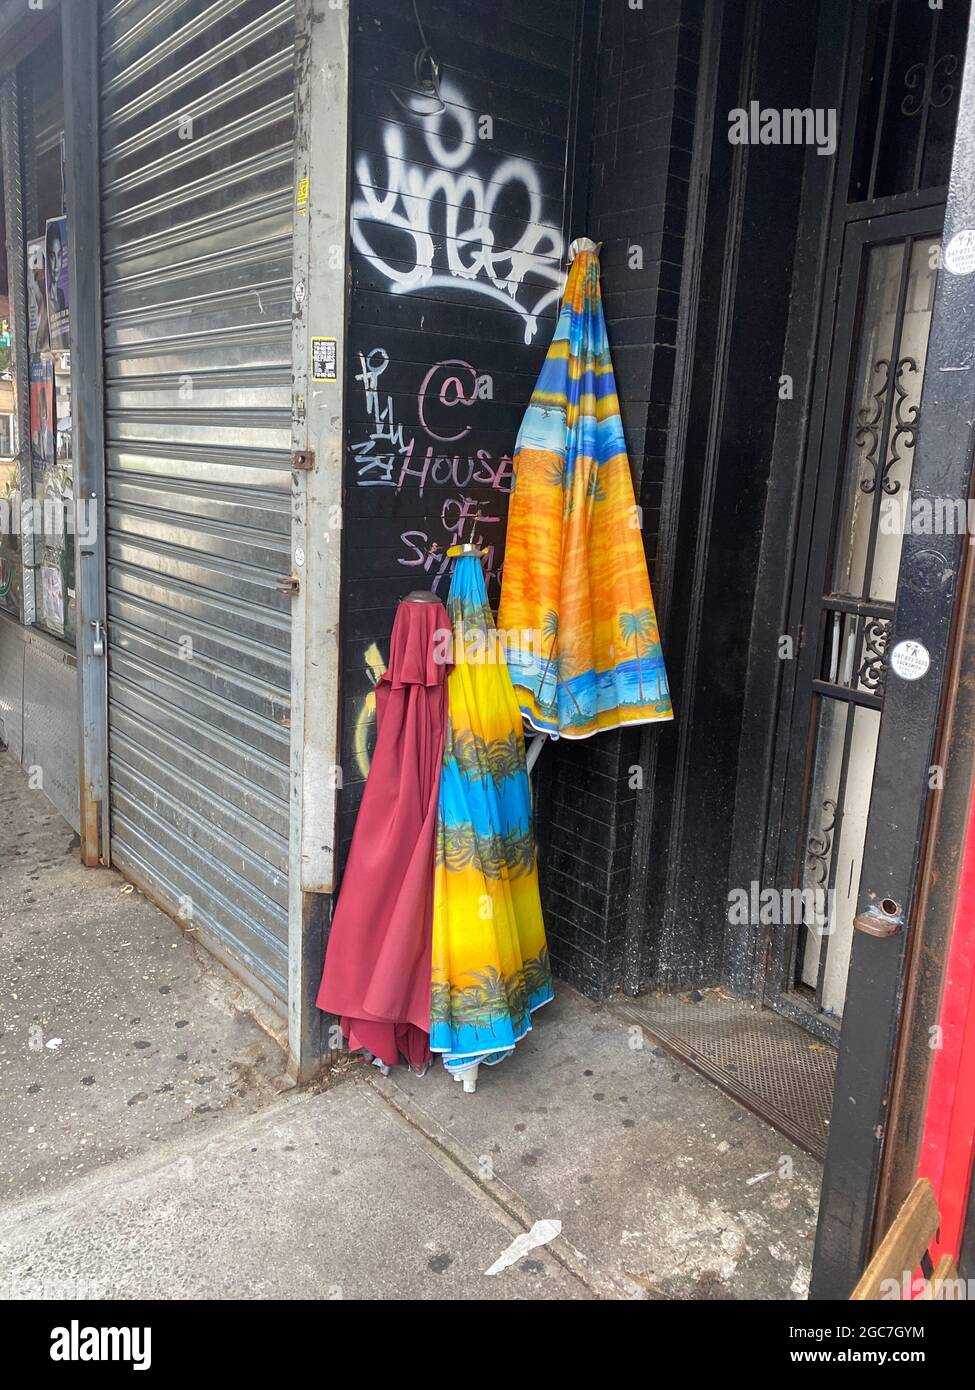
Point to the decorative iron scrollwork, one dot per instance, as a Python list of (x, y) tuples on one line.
[(945, 67), (905, 426), (868, 430), (929, 83), (819, 846), (873, 668)]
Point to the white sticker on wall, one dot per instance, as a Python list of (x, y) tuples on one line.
[(323, 359), (960, 252), (910, 660)]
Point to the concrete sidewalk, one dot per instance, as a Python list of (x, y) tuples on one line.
[(319, 1196), (150, 1147), (116, 1031), (665, 1187)]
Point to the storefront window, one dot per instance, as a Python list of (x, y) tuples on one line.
[(48, 313), (36, 245), (11, 567)]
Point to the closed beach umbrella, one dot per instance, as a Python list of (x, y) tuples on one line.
[(576, 609), (491, 968), (377, 966)]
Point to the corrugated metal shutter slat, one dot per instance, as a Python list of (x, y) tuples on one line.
[(197, 173)]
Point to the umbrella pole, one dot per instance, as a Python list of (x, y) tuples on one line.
[(534, 748)]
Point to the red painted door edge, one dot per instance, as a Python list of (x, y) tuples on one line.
[(949, 1119)]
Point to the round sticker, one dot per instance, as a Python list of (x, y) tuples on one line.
[(910, 660), (960, 253)]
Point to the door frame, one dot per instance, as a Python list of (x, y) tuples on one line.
[(774, 693), (924, 612), (320, 304), (943, 453), (823, 472), (770, 684), (82, 141)]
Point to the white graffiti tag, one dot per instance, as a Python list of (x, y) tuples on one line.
[(410, 196), (374, 465)]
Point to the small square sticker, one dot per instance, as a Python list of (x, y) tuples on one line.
[(324, 359)]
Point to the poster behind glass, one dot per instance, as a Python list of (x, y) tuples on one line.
[(49, 319), (11, 566)]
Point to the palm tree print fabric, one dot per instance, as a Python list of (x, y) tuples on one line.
[(576, 608), (490, 959)]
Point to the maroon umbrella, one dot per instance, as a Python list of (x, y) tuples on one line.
[(377, 965)]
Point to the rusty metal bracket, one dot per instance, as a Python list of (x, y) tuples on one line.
[(885, 920), (303, 460), (288, 584)]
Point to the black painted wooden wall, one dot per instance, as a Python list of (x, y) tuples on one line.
[(645, 80), (636, 829), (448, 331), (459, 232), (461, 219)]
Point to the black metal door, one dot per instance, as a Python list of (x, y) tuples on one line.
[(858, 516), (904, 777)]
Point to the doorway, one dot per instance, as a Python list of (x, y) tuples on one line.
[(869, 315), (874, 363), (822, 476)]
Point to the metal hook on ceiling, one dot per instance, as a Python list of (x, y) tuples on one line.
[(428, 85)]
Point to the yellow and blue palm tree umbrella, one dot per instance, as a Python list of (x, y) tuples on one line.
[(576, 610), (491, 968)]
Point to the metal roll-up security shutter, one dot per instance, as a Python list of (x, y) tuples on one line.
[(197, 129)]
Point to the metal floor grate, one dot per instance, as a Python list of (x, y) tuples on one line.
[(772, 1066)]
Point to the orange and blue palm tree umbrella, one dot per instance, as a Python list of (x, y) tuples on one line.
[(576, 611)]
